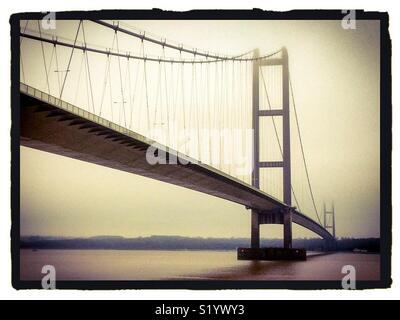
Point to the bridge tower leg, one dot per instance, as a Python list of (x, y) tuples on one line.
[(285, 163), (287, 228), (255, 229), (255, 221), (287, 180)]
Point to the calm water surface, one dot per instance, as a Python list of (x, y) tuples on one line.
[(181, 265)]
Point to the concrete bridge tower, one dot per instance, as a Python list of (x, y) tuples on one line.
[(329, 224), (283, 216)]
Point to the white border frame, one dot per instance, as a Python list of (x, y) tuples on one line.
[(6, 290)]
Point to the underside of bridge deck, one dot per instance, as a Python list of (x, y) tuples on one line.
[(51, 128)]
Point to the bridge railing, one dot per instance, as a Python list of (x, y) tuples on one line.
[(24, 88)]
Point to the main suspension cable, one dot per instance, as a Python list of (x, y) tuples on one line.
[(70, 57), (131, 56), (88, 68), (302, 152), (181, 48), (44, 58)]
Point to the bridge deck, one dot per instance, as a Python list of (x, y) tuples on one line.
[(52, 125)]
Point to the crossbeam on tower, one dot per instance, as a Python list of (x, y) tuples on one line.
[(329, 220)]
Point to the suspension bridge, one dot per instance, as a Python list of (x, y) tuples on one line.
[(112, 95)]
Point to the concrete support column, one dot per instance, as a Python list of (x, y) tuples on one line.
[(287, 228), (287, 180), (255, 229)]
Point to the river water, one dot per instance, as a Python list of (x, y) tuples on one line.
[(190, 265)]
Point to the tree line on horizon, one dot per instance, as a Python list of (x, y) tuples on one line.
[(188, 243)]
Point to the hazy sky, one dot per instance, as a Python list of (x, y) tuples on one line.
[(335, 75)]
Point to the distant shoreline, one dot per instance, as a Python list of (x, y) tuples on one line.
[(116, 249), (177, 243)]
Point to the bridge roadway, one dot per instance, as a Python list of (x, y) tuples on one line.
[(52, 125)]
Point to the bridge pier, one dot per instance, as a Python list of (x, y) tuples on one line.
[(284, 218), (255, 229), (255, 252), (287, 228)]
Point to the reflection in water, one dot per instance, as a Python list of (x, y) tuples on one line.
[(180, 265), (255, 267)]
